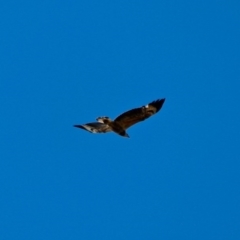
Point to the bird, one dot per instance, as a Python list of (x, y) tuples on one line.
[(120, 124)]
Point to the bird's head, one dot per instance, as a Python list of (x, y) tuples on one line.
[(105, 120)]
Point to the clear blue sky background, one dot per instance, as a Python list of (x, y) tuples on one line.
[(68, 62)]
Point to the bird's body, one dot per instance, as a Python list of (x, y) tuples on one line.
[(117, 128), (124, 121)]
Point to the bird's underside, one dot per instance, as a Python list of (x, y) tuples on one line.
[(123, 121)]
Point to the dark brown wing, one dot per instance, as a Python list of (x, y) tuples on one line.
[(136, 115), (95, 127)]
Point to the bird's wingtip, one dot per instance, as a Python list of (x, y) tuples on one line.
[(78, 126)]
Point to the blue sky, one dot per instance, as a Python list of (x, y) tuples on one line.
[(68, 62)]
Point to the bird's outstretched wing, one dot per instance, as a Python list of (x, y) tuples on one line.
[(95, 127), (136, 115)]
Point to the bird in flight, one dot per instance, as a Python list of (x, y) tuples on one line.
[(123, 121)]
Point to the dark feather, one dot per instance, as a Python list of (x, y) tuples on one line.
[(136, 115)]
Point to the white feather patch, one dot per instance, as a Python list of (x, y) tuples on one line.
[(90, 129), (100, 120)]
